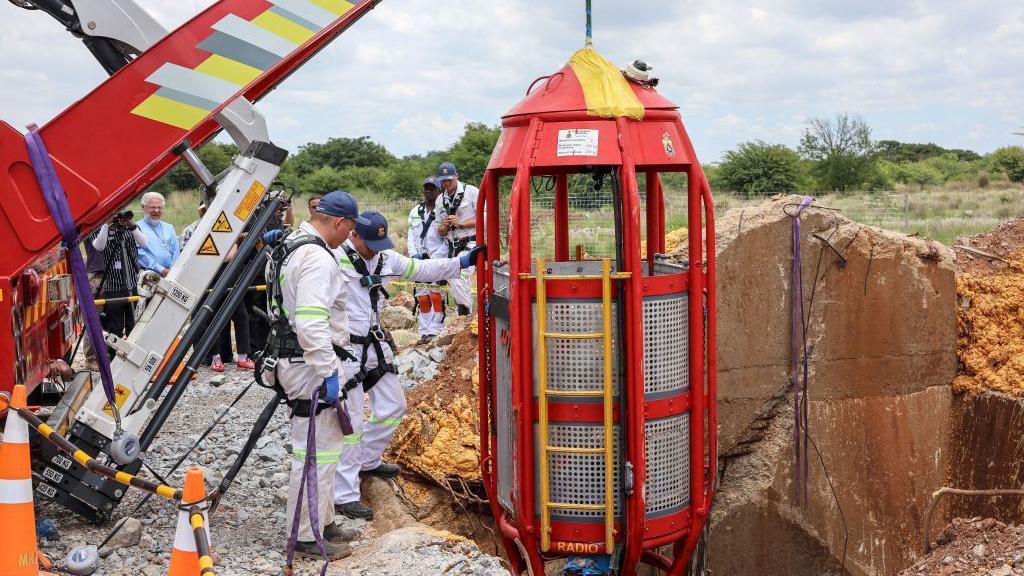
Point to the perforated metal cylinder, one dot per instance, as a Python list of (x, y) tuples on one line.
[(577, 365)]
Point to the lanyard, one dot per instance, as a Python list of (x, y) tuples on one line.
[(167, 246)]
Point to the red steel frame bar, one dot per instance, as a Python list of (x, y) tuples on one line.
[(521, 322), (562, 217), (633, 347)]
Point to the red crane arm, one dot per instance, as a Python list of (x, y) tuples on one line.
[(117, 140)]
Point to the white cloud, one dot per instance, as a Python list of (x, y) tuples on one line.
[(414, 71)]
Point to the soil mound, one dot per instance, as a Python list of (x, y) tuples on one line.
[(990, 312), (974, 546)]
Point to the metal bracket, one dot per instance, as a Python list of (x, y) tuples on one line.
[(177, 293), (130, 351)]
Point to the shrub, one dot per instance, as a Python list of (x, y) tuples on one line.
[(983, 179), (1010, 161), (757, 168)]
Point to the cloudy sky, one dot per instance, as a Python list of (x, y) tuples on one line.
[(413, 72)]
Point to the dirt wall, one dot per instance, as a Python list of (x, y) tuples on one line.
[(881, 344)]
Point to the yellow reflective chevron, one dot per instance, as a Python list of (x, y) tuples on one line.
[(283, 27), (228, 69), (170, 112)]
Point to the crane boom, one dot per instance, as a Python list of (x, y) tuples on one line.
[(120, 138), (108, 147)]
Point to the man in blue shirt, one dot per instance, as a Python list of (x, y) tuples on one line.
[(162, 246)]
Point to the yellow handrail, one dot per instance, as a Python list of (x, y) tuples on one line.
[(606, 394), (542, 371)]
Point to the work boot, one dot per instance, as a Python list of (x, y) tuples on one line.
[(334, 532), (425, 339), (463, 310), (354, 510), (384, 470), (335, 551)]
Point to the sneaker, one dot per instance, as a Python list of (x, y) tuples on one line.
[(354, 510), (384, 470), (217, 365), (425, 339), (334, 532), (335, 551), (246, 364)]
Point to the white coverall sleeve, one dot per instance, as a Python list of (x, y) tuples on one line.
[(424, 270), (140, 238), (100, 241), (312, 313), (415, 226)]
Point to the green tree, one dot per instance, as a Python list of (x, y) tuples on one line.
[(471, 152), (1010, 161), (919, 173), (320, 181), (214, 155), (757, 168), (841, 149), (341, 153), (897, 152), (952, 167)]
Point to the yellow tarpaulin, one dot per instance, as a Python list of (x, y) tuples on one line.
[(606, 90)]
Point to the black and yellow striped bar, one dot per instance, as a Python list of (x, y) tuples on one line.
[(195, 518), (93, 465), (126, 299)]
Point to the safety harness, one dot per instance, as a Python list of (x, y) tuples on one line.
[(422, 209), (376, 336), (450, 207), (283, 342), (435, 286)]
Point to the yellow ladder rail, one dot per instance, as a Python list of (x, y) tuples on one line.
[(606, 394)]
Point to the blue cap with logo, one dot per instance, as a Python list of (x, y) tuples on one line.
[(446, 171), (375, 231), (341, 205), (430, 181)]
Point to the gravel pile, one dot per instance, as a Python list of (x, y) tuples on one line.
[(248, 529), (974, 546)]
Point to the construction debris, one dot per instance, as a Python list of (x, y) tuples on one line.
[(974, 546)]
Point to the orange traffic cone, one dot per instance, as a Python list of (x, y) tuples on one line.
[(184, 558), (18, 552)]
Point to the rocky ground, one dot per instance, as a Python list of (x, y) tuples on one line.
[(248, 530), (974, 546)]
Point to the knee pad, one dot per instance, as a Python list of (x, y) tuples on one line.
[(437, 301), (424, 302)]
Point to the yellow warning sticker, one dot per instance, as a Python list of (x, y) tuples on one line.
[(250, 201), (222, 224), (120, 395), (208, 248)]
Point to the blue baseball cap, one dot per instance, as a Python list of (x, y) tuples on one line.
[(430, 181), (446, 171), (341, 205), (373, 229)]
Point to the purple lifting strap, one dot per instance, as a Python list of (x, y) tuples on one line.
[(343, 420), (799, 335), (57, 201), (309, 476)]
